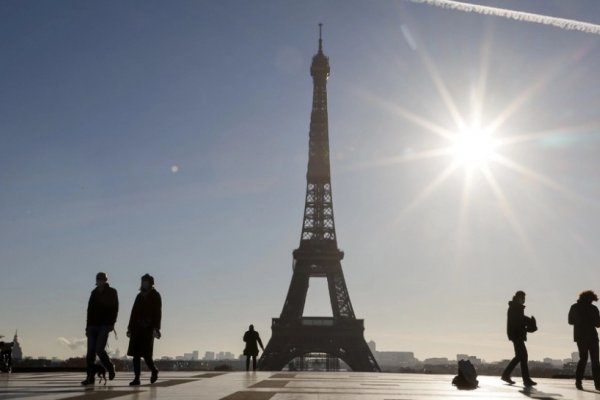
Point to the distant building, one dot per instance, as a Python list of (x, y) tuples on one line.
[(372, 347), (575, 356), (436, 361), (193, 356), (225, 355), (392, 359), (209, 356), (395, 358), (17, 352), (554, 363)]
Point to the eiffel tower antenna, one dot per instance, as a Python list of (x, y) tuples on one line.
[(320, 38), (294, 335)]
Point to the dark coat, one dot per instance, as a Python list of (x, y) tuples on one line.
[(516, 323), (252, 340), (145, 318), (585, 318), (103, 307)]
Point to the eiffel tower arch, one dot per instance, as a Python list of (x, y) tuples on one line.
[(318, 256)]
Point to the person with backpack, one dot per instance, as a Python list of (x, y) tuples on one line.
[(585, 318), (517, 326)]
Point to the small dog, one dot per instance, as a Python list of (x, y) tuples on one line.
[(100, 371)]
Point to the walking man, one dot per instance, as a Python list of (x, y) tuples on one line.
[(102, 311), (252, 339), (585, 318), (516, 327)]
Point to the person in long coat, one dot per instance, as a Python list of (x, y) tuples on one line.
[(144, 327), (516, 329), (252, 339), (585, 318)]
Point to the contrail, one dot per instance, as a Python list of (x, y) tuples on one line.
[(563, 23)]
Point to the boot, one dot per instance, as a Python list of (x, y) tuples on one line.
[(88, 381)]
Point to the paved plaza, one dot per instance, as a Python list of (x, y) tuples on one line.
[(280, 386)]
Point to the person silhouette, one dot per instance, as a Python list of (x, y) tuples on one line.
[(585, 318), (252, 339), (516, 328), (144, 327), (102, 310), (6, 356)]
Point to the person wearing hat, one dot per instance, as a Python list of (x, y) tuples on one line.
[(144, 327), (102, 311)]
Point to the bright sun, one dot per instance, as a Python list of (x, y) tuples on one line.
[(473, 147), (476, 144)]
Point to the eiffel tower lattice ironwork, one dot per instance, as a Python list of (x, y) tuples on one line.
[(318, 256)]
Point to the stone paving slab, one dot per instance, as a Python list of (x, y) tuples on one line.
[(282, 386)]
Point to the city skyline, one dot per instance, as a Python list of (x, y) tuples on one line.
[(211, 355), (172, 139)]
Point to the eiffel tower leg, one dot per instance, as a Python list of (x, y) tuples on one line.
[(358, 356), (279, 352), (338, 293), (296, 297)]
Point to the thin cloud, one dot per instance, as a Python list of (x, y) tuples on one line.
[(75, 344), (568, 24)]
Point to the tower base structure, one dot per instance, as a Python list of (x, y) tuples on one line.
[(338, 337)]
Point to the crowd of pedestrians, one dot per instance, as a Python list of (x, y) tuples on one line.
[(145, 318)]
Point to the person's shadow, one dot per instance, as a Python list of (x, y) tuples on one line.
[(538, 394)]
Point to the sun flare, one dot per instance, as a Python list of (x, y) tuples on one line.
[(476, 142), (473, 147)]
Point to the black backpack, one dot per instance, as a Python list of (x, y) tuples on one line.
[(532, 324), (467, 376)]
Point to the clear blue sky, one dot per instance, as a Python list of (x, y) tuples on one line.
[(101, 99)]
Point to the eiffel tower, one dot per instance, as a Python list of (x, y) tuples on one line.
[(318, 256)]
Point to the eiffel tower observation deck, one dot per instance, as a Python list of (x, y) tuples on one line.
[(294, 335)]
